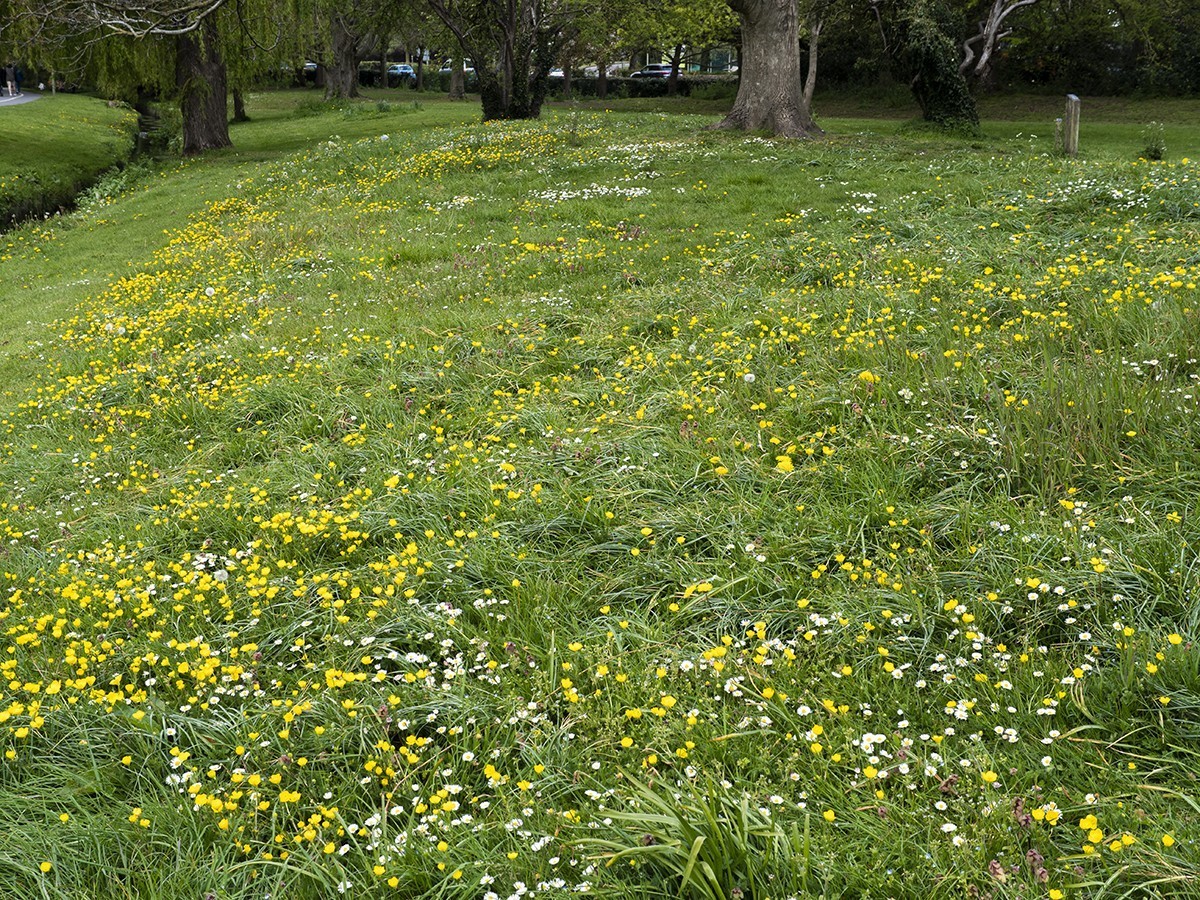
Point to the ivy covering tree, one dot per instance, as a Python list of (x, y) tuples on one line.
[(931, 57)]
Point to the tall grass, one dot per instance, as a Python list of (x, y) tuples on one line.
[(604, 505)]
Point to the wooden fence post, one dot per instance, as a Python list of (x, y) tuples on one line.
[(1071, 126)]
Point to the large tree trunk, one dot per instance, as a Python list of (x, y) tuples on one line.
[(341, 76), (458, 80), (769, 95), (200, 77)]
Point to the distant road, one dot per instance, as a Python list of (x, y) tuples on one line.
[(23, 97)]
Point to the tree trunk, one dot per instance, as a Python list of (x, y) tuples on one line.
[(769, 96), (979, 64), (673, 78), (420, 83), (200, 77), (512, 56), (810, 80), (383, 73), (508, 69), (602, 79), (514, 87), (341, 76), (239, 106), (567, 78), (458, 80)]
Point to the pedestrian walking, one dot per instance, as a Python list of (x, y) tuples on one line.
[(10, 75)]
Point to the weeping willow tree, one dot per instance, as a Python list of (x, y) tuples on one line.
[(162, 47), (42, 44), (262, 43)]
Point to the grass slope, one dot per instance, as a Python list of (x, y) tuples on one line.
[(51, 148), (606, 505)]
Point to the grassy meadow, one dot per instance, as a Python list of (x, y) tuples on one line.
[(399, 506), (53, 147)]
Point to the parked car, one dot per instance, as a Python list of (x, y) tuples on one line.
[(401, 71), (654, 70), (616, 70)]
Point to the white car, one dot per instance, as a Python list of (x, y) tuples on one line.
[(654, 70), (614, 71)]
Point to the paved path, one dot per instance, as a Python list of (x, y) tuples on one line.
[(24, 97)]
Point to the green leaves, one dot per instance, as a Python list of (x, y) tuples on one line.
[(713, 842)]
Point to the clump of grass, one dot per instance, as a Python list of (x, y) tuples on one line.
[(112, 185), (709, 843), (1155, 148)]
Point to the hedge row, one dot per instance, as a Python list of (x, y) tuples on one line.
[(582, 86)]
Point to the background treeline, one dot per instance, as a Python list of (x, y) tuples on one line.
[(1085, 46), (513, 54)]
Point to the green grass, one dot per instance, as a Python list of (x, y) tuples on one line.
[(1109, 125), (53, 147), (604, 502)]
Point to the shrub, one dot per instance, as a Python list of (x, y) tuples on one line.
[(1156, 142)]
